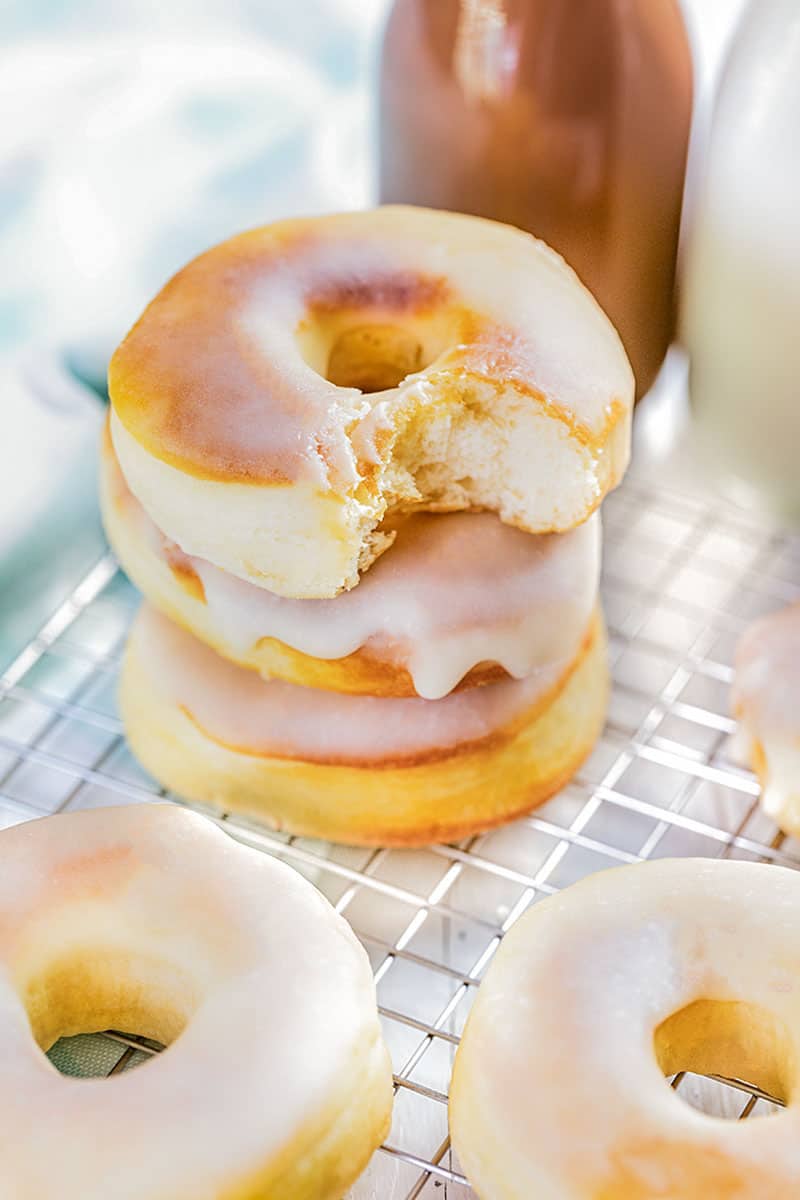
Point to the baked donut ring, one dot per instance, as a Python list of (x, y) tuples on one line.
[(356, 768), (766, 701), (276, 1084), (294, 385), (595, 995), (459, 600)]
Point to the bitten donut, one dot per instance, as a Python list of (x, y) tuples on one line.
[(459, 600), (276, 1084), (294, 385), (766, 700), (598, 993), (356, 769)]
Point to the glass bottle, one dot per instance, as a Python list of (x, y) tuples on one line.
[(741, 310), (569, 118)]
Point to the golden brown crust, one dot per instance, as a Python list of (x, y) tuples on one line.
[(491, 741), (758, 757), (185, 574), (162, 379), (398, 293), (358, 674), (430, 801), (107, 929), (503, 359), (693, 1172), (191, 385), (327, 1160)]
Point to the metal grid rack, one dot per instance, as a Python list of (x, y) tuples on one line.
[(682, 577)]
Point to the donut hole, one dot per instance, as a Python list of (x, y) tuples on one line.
[(373, 358), (373, 352), (727, 1040), (147, 999)]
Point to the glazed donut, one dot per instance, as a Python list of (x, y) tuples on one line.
[(293, 386), (356, 768), (276, 1083), (766, 701), (460, 599), (597, 993)]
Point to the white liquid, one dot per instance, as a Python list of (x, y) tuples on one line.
[(453, 591), (741, 318)]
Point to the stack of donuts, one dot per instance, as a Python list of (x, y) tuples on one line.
[(354, 464)]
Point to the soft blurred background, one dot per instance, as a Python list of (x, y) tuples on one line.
[(133, 135)]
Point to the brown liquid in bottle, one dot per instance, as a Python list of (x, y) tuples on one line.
[(569, 118)]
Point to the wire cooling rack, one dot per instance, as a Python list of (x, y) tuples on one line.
[(682, 578)]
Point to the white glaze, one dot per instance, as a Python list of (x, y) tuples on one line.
[(766, 699), (241, 710), (247, 456), (557, 1092), (766, 687), (453, 591), (223, 370), (742, 286), (276, 991)]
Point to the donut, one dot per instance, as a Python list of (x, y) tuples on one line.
[(357, 769), (766, 701), (293, 386), (459, 600), (276, 1082), (598, 993)]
